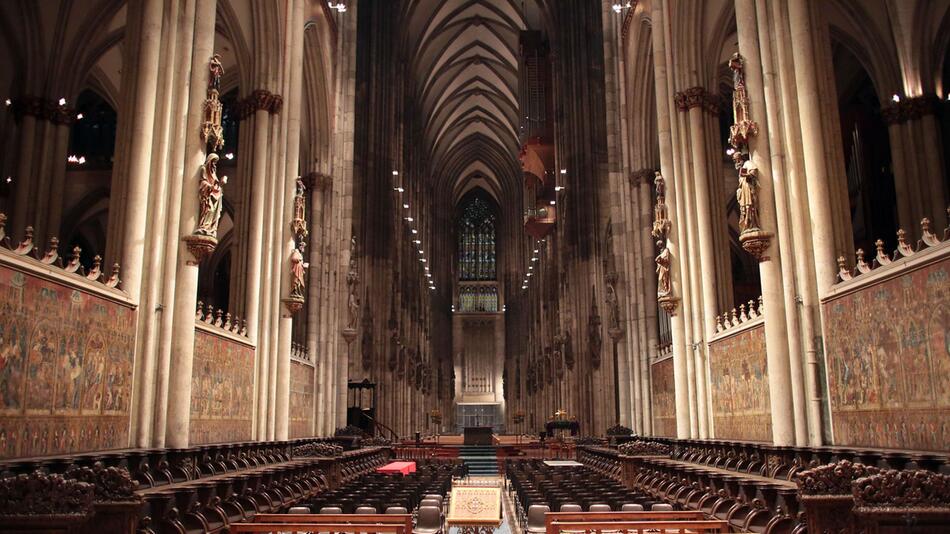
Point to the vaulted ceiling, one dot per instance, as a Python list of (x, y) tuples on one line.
[(465, 67)]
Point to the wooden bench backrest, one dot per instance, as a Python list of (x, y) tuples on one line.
[(403, 520), (560, 517), (360, 528), (653, 527)]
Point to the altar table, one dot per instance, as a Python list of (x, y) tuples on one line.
[(398, 467)]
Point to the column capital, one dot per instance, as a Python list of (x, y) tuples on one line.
[(317, 181), (42, 108), (260, 99), (639, 176), (690, 98), (910, 108)]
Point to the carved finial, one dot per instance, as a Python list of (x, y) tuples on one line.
[(227, 321), (113, 280), (735, 318), (761, 305), (902, 247), (752, 311), (52, 253), (96, 272), (219, 317), (73, 265), (719, 327), (209, 314), (742, 315), (882, 258), (861, 265), (199, 314), (843, 273), (946, 231), (27, 244), (243, 327), (927, 237), (3, 226)]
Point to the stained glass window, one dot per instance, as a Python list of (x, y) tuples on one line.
[(476, 238), (478, 298)]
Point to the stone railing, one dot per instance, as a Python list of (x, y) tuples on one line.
[(746, 313), (207, 315), (883, 259), (299, 352), (52, 259)]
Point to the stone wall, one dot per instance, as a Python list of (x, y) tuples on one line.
[(888, 356), (740, 386), (66, 356), (664, 399), (301, 399), (222, 389)]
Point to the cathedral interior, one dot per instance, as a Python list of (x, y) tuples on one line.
[(353, 265)]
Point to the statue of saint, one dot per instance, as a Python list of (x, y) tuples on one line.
[(594, 339), (613, 307), (298, 268), (353, 305), (740, 97), (747, 197), (663, 260), (298, 223), (216, 71), (211, 197)]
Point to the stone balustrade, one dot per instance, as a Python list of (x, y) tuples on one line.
[(746, 313), (51, 258), (882, 258), (209, 316)]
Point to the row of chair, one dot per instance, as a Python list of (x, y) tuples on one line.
[(380, 492)]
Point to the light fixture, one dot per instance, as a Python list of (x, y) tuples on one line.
[(420, 251), (730, 151), (895, 98), (62, 101), (529, 274), (9, 179), (8, 102), (400, 189), (79, 116), (553, 203), (534, 258), (395, 173), (409, 219), (229, 155), (418, 241), (406, 206), (559, 188), (414, 231), (563, 171), (535, 251)]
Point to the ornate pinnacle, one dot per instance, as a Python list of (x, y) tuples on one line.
[(199, 314), (52, 253)]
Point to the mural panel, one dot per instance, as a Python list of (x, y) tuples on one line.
[(664, 399), (888, 355), (301, 399), (65, 368), (222, 385), (740, 386)]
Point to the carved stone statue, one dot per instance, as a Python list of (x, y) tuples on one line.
[(747, 197), (216, 71), (595, 340), (568, 349), (211, 197), (613, 307), (298, 269), (299, 222), (740, 99), (663, 260), (353, 306), (661, 219)]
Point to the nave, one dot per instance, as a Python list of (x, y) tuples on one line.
[(258, 255)]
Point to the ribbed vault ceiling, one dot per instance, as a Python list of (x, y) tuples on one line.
[(465, 65)]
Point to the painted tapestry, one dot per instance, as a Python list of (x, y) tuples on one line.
[(888, 352), (664, 399), (222, 385), (740, 386), (65, 368), (301, 400)]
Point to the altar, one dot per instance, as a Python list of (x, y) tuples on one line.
[(479, 435)]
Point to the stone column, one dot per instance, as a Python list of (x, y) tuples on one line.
[(23, 179), (140, 153), (770, 269), (813, 144), (55, 216), (183, 325), (663, 97)]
